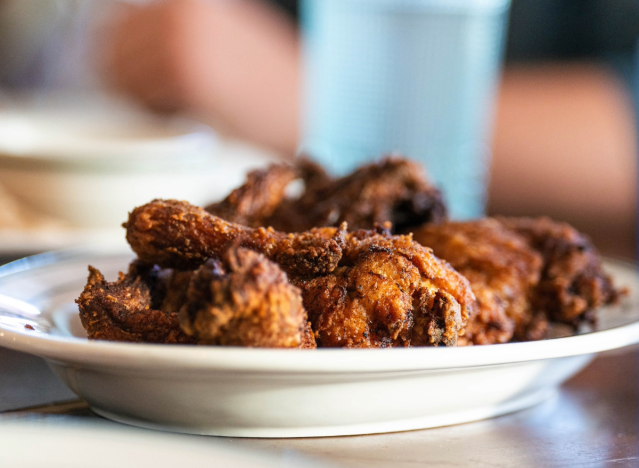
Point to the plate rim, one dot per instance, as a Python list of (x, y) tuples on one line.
[(144, 356)]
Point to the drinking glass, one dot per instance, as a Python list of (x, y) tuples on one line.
[(411, 76)]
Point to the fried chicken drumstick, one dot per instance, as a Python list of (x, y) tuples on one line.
[(361, 289), (393, 189), (524, 272), (175, 234)]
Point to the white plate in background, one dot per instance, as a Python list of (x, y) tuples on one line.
[(29, 235), (246, 392), (88, 160)]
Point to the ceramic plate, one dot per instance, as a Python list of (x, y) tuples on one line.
[(285, 393)]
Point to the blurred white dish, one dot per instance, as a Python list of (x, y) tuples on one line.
[(27, 445), (89, 162), (97, 135), (247, 392), (20, 242)]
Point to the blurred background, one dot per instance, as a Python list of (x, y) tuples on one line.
[(106, 104)]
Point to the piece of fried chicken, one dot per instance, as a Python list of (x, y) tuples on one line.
[(524, 272), (388, 291), (572, 282), (246, 300), (378, 290), (251, 305), (175, 234), (393, 189), (502, 270), (253, 203), (141, 306)]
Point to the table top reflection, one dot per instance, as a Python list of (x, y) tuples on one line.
[(592, 421)]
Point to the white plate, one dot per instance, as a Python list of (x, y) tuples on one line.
[(285, 393), (88, 445), (228, 170), (84, 160)]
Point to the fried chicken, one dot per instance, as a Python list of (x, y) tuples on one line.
[(253, 203), (572, 282), (502, 270), (253, 305), (247, 301), (178, 235), (393, 189), (140, 306), (421, 300), (265, 268), (388, 291), (524, 272)]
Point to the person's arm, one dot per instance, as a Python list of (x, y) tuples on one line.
[(565, 146), (234, 62)]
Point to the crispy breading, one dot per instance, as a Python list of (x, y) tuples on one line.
[(245, 301), (175, 234), (393, 189), (382, 300), (430, 307), (502, 270), (130, 309), (253, 203), (525, 273), (572, 282)]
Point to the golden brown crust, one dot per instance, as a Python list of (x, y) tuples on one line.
[(572, 282), (178, 235), (308, 338), (393, 189), (502, 271), (381, 301), (254, 202), (434, 296), (128, 309), (369, 304), (524, 272), (388, 291), (431, 268), (247, 302)]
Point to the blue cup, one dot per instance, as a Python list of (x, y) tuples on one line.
[(411, 76)]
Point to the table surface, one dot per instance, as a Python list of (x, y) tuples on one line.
[(593, 421)]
